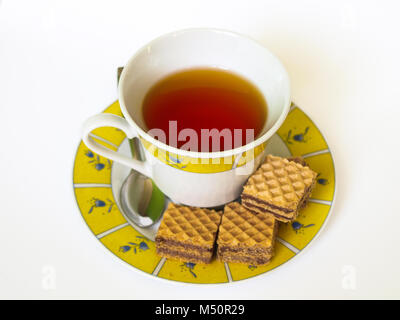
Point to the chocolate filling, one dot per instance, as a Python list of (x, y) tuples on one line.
[(286, 210), (250, 205), (183, 255), (174, 243)]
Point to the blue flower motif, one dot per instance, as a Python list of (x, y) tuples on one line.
[(143, 246), (297, 226), (189, 266), (298, 137), (322, 181), (124, 249), (89, 154), (137, 247), (176, 160), (97, 203), (97, 164)]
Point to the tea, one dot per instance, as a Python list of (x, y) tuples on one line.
[(205, 99)]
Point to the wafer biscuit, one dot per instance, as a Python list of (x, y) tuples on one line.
[(244, 237), (280, 187), (188, 233)]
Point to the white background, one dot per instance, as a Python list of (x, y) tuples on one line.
[(58, 62)]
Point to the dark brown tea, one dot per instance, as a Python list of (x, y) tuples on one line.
[(205, 99)]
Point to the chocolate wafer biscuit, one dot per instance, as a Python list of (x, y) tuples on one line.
[(245, 237), (188, 233), (280, 187)]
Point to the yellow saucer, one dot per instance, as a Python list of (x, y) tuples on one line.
[(93, 187)]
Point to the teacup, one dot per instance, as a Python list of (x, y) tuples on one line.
[(204, 179)]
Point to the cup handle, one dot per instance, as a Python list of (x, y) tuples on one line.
[(111, 120)]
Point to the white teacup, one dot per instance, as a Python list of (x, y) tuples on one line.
[(216, 178)]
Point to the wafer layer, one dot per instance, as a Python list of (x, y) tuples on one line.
[(188, 233), (245, 237), (184, 255), (280, 187)]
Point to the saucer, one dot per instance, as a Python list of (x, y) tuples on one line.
[(97, 182)]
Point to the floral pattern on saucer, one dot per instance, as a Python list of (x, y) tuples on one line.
[(94, 196)]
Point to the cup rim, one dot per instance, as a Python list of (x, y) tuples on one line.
[(196, 154)]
